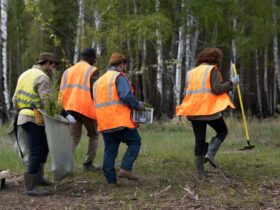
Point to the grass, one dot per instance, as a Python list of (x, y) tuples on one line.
[(166, 166)]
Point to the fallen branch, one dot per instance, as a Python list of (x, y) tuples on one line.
[(190, 192), (162, 191)]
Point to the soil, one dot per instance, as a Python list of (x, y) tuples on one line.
[(91, 195)]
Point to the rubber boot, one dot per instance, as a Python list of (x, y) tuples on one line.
[(30, 181), (41, 180), (212, 150), (199, 162)]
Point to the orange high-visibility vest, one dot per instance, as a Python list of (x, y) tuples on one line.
[(199, 99), (75, 89), (111, 112)]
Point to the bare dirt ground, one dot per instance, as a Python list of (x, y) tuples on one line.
[(76, 194)]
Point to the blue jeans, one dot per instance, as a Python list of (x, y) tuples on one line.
[(38, 146), (112, 142)]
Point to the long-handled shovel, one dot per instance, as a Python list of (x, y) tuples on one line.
[(249, 146)]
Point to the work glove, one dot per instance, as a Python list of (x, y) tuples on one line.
[(140, 106), (70, 119), (235, 80)]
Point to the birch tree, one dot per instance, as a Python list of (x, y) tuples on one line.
[(97, 18), (179, 62), (80, 30), (159, 52), (4, 93), (178, 78)]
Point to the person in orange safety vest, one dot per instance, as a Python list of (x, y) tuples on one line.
[(114, 102), (76, 97), (206, 97)]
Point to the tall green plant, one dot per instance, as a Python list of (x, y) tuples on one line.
[(53, 105)]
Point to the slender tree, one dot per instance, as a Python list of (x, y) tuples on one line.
[(4, 105)]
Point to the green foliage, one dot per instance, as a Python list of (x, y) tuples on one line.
[(142, 26), (53, 105), (51, 25)]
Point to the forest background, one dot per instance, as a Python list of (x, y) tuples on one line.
[(160, 37)]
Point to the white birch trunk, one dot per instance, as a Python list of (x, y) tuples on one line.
[(4, 33), (96, 43), (159, 51), (178, 78), (259, 96), (80, 23)]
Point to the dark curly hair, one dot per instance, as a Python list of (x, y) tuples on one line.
[(212, 56)]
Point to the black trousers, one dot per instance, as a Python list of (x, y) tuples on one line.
[(38, 146), (200, 128)]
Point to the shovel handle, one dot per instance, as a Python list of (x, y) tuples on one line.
[(241, 105)]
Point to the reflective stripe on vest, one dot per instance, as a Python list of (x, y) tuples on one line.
[(75, 89), (203, 88), (111, 112), (111, 101), (25, 94), (83, 86)]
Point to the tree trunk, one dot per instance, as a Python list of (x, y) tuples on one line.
[(178, 78), (233, 51), (194, 43), (259, 95), (96, 43), (4, 93), (159, 52), (188, 46), (80, 30), (265, 82), (275, 48)]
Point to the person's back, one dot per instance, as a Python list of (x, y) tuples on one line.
[(114, 101), (75, 92), (76, 97), (32, 88)]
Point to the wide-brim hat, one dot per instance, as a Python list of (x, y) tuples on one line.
[(47, 56)]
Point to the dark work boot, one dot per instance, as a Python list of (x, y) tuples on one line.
[(199, 162), (89, 167), (41, 180), (212, 150), (30, 182)]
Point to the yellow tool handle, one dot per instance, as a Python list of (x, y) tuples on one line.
[(241, 105)]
